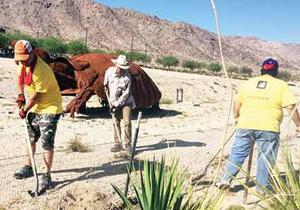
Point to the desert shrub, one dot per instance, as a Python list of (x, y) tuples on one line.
[(214, 67), (76, 47), (202, 65), (75, 145), (97, 51), (190, 64), (4, 41), (246, 71), (137, 56), (134, 56), (165, 101), (168, 61), (285, 184), (119, 52), (233, 70), (52, 45), (18, 35), (284, 75)]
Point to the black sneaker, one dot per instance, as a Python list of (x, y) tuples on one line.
[(46, 182), (25, 172), (116, 148)]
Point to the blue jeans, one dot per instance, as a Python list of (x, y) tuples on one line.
[(267, 143)]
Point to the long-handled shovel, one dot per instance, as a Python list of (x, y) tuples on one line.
[(113, 117), (248, 173), (36, 192), (204, 171), (135, 137)]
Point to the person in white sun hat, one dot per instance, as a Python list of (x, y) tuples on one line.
[(118, 82)]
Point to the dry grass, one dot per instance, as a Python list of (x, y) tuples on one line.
[(165, 101), (76, 145), (235, 207)]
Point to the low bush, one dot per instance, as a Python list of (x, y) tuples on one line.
[(168, 61), (214, 67), (76, 145)]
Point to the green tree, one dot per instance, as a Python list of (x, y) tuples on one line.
[(134, 56), (77, 47), (52, 45), (18, 35), (168, 61), (215, 67), (137, 56), (190, 64)]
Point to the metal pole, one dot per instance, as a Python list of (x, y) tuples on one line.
[(131, 48), (135, 137), (86, 35)]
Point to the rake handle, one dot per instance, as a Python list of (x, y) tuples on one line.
[(32, 160), (217, 153)]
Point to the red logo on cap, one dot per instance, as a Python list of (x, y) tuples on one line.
[(268, 66)]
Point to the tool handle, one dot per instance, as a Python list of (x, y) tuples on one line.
[(136, 132), (32, 160), (248, 173)]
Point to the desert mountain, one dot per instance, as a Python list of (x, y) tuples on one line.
[(109, 28)]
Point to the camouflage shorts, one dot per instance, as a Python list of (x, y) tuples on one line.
[(42, 126)]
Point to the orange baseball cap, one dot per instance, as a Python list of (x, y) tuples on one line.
[(23, 49)]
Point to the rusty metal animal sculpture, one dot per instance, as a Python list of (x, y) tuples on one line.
[(83, 76), (88, 71)]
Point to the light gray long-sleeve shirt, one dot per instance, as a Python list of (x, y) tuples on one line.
[(119, 87)]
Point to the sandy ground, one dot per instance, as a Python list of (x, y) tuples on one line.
[(192, 130)]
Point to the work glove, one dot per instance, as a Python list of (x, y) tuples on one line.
[(21, 100), (22, 113)]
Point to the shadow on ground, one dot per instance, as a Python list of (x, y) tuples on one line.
[(88, 173), (167, 143), (102, 112), (92, 173)]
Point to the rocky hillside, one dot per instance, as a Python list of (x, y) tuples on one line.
[(109, 28)]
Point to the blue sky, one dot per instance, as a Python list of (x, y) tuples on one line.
[(273, 20)]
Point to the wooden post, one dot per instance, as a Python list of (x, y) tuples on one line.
[(248, 173)]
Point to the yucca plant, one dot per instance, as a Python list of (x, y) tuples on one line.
[(160, 187), (210, 200), (285, 193), (285, 185)]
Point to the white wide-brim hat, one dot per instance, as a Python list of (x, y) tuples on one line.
[(121, 62)]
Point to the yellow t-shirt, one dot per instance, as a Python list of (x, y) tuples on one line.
[(44, 82), (262, 99)]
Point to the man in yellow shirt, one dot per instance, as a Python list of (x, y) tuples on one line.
[(42, 109), (258, 113)]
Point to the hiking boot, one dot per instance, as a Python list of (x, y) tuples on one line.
[(25, 172), (116, 148), (46, 182), (223, 185)]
